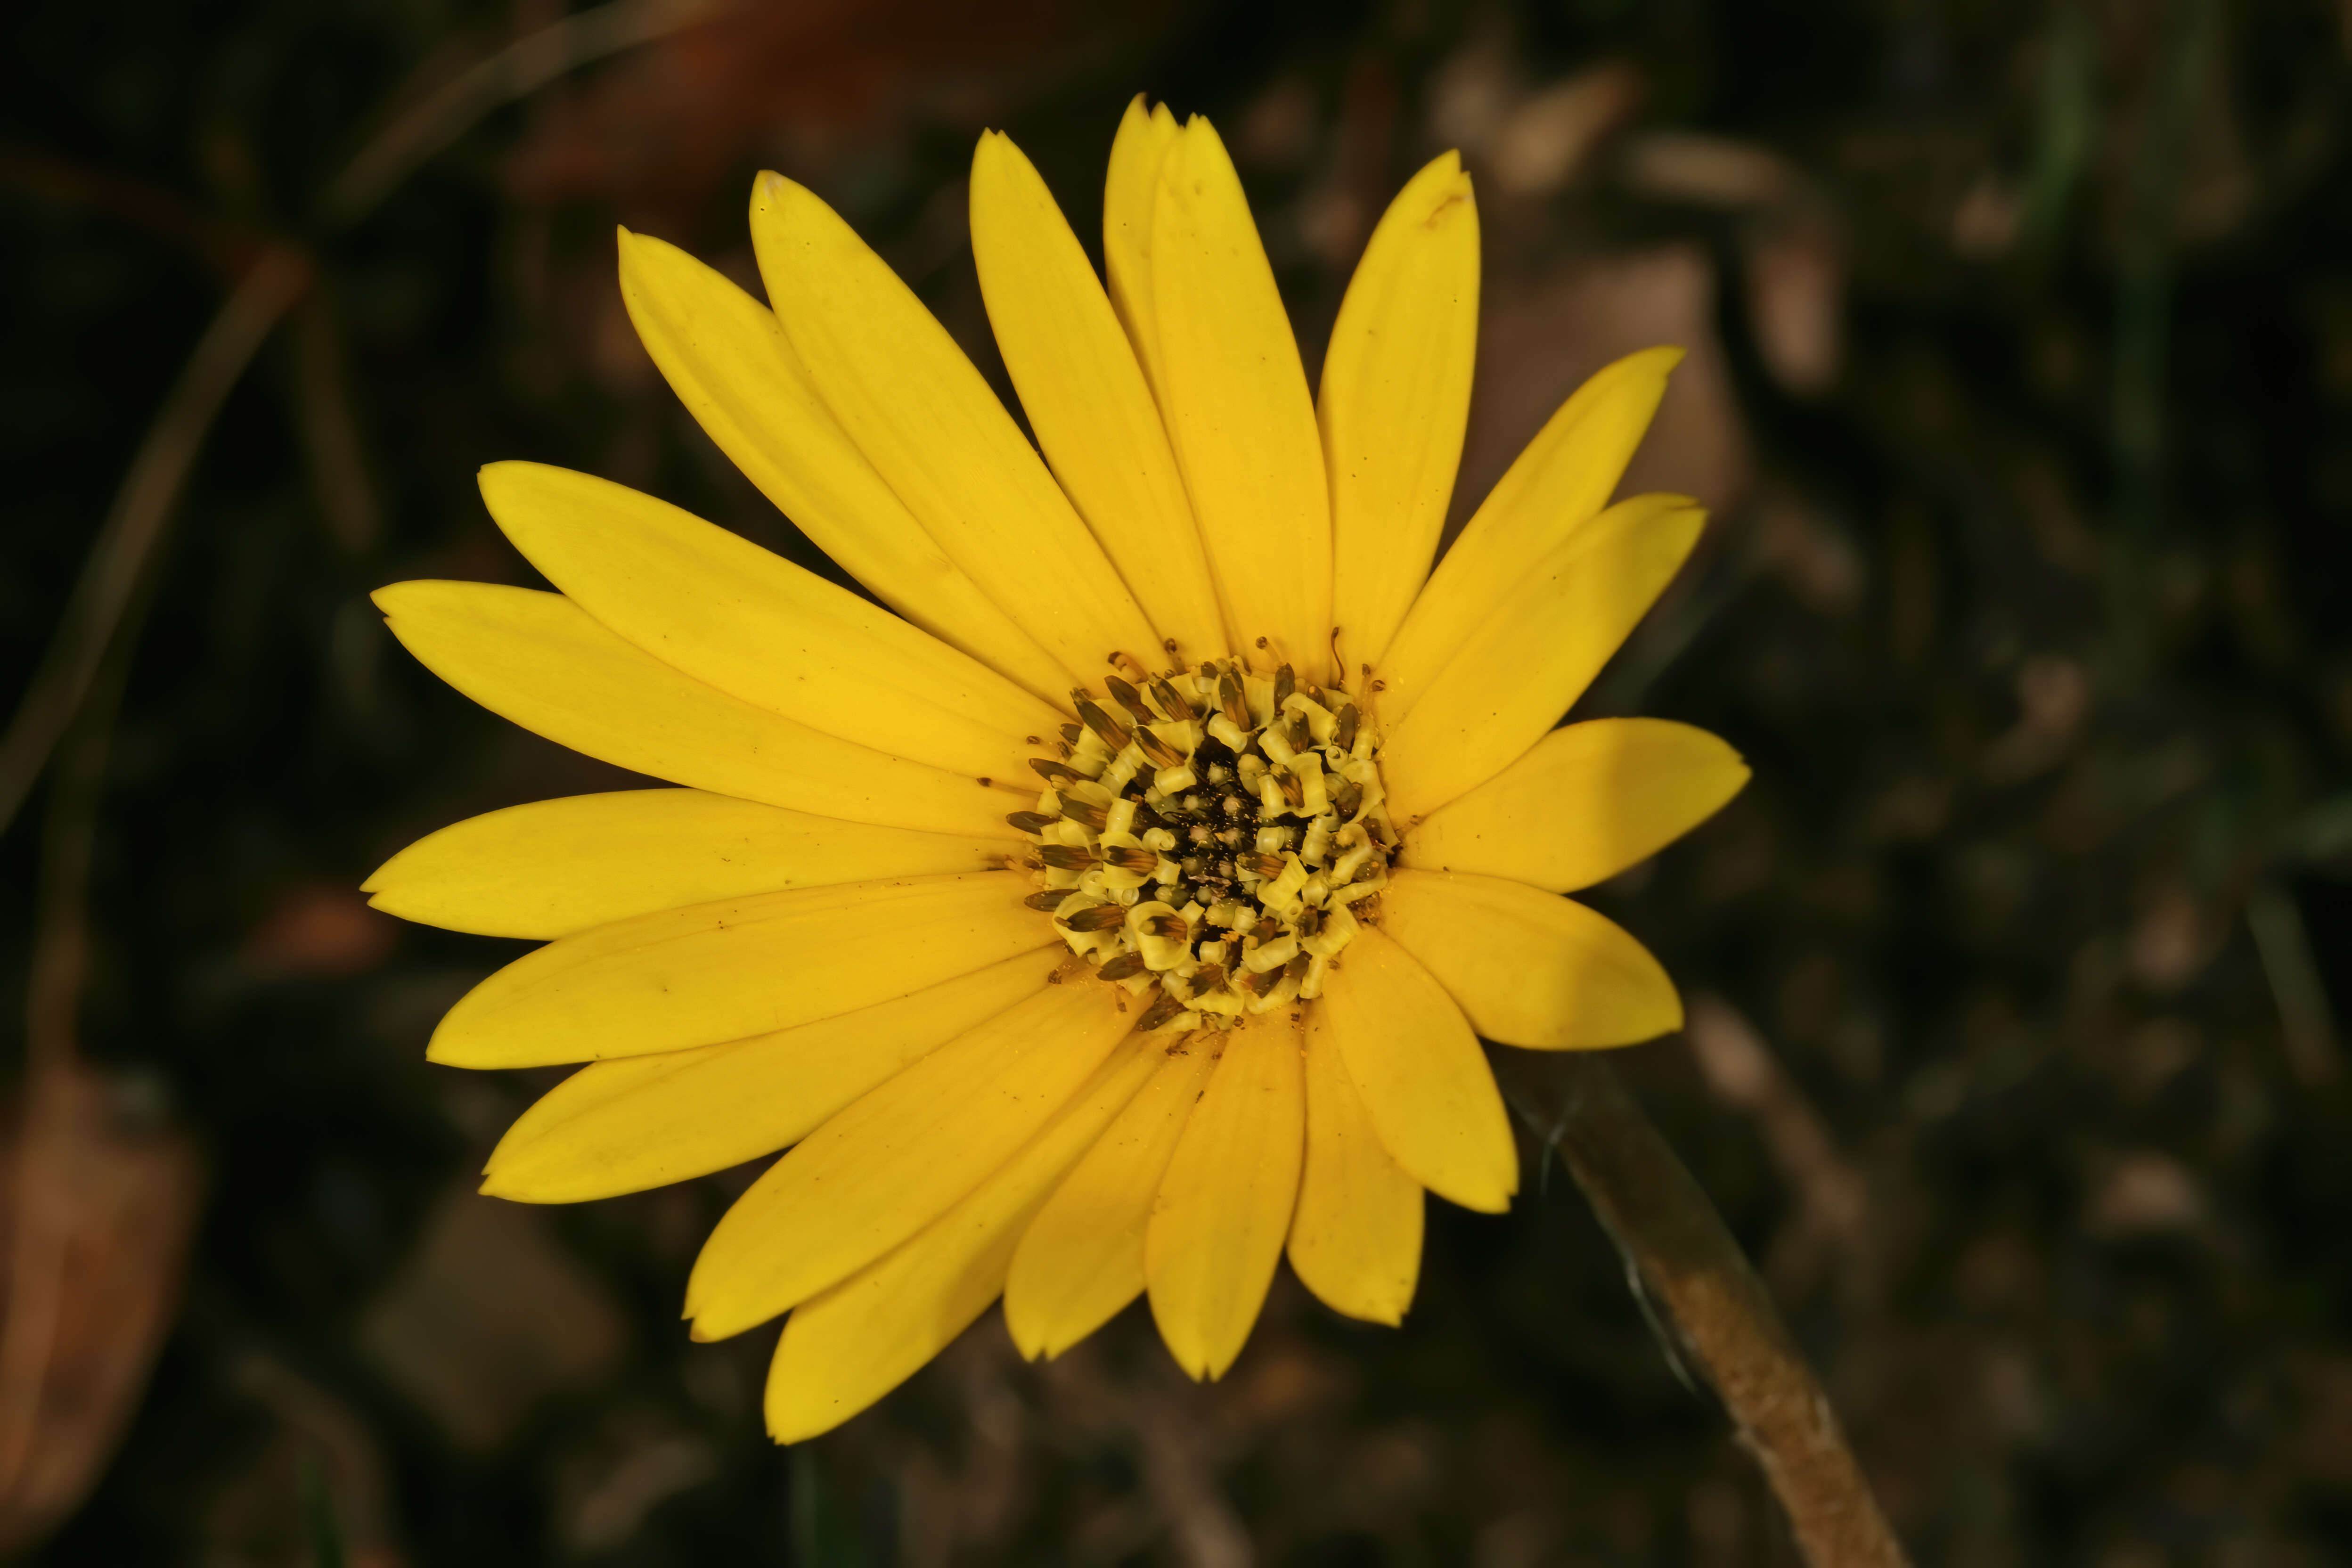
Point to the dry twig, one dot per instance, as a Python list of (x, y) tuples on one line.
[(97, 1216), (141, 513), (1685, 1261), (516, 71)]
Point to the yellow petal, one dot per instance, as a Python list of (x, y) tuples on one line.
[(1395, 397), (1532, 653), (645, 1122), (1082, 1258), (1583, 803), (545, 663), (1557, 486), (738, 967), (1527, 967), (756, 626), (1131, 197), (726, 357), (931, 427), (1086, 397), (1424, 1080), (846, 1349), (1238, 408), (1225, 1205), (893, 1159), (556, 867), (1356, 1239)]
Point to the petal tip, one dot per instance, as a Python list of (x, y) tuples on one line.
[(770, 189), (455, 1044), (631, 250), (1481, 1202), (795, 1416), (1661, 358), (499, 478), (502, 1184)]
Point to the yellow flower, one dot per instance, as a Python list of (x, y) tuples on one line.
[(1125, 909)]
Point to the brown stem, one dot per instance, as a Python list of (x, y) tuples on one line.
[(143, 507), (1721, 1319), (516, 71), (276, 279), (225, 246), (39, 1226)]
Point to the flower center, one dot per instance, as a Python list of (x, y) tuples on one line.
[(1211, 838)]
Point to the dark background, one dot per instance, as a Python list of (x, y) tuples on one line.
[(2020, 386)]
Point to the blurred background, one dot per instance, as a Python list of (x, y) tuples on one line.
[(2019, 387)]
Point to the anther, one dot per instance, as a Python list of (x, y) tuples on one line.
[(1160, 753), (1129, 699), (1229, 695), (1163, 1010), (1224, 854), (1112, 732), (1171, 701)]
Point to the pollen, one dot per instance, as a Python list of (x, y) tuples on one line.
[(1209, 838)]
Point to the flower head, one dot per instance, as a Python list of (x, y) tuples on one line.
[(1124, 911)]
